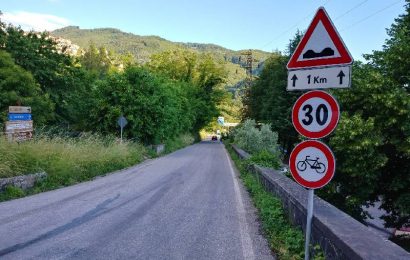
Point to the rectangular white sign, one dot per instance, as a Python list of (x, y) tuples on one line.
[(17, 126), (19, 109), (319, 78)]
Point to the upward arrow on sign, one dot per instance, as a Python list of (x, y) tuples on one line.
[(321, 60), (340, 76), (294, 78)]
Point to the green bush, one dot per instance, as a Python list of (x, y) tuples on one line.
[(269, 139), (252, 140), (248, 137), (11, 192), (266, 158)]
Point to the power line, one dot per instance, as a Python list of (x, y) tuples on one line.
[(373, 14), (351, 9), (292, 27)]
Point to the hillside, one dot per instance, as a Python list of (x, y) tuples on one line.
[(142, 47)]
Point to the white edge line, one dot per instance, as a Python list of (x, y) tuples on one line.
[(246, 241)]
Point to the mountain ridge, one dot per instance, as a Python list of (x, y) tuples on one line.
[(112, 38), (142, 47)]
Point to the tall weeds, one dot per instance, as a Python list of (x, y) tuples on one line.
[(66, 159)]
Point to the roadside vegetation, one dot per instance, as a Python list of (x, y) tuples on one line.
[(261, 144), (175, 93), (70, 160), (179, 142), (285, 240), (66, 160), (165, 101)]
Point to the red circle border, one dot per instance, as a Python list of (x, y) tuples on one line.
[(327, 177), (333, 121)]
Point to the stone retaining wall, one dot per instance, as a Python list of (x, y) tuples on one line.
[(23, 181), (339, 235)]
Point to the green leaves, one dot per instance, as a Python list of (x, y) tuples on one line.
[(17, 86), (356, 144), (253, 140), (201, 72), (156, 108)]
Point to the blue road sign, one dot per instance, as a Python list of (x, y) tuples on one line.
[(221, 120), (122, 122), (15, 117)]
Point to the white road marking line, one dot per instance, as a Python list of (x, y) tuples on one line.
[(246, 241)]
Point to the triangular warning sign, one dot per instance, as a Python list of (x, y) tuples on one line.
[(320, 46)]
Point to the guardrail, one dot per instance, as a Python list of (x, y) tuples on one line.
[(339, 235)]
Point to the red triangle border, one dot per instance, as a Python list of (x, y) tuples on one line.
[(345, 57)]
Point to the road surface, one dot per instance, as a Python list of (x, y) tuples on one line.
[(186, 205)]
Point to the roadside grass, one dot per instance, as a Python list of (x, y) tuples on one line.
[(69, 160), (65, 160), (179, 142), (285, 240)]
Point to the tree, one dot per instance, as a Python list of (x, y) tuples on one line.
[(202, 73), (18, 87), (157, 109), (393, 61), (100, 61), (58, 75), (381, 94)]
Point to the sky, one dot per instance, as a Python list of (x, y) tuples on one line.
[(235, 24)]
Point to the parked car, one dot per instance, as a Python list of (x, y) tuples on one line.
[(214, 138)]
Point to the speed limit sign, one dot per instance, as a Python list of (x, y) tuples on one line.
[(315, 114)]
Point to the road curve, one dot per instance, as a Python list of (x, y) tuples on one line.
[(186, 205)]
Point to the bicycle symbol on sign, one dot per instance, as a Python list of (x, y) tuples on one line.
[(313, 164)]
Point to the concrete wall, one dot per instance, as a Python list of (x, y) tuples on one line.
[(339, 235)]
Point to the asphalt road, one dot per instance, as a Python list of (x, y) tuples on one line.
[(186, 205)]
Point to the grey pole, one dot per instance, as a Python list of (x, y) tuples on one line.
[(121, 134), (309, 222)]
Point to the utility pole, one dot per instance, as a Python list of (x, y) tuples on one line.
[(248, 66), (248, 81)]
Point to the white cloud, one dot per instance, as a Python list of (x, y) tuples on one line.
[(35, 21)]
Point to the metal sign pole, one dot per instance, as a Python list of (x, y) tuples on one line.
[(121, 134), (309, 222)]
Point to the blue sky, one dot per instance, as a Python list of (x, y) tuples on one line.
[(234, 24)]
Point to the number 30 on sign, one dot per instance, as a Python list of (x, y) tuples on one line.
[(315, 114)]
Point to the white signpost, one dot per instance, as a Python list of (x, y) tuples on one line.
[(20, 125), (320, 61), (320, 78), (19, 109)]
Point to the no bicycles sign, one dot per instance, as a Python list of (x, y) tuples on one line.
[(312, 164)]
